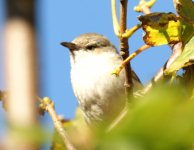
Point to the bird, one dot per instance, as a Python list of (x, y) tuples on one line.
[(101, 95)]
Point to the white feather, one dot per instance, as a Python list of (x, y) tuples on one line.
[(98, 91)]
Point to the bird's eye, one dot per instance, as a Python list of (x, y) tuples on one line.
[(91, 47)]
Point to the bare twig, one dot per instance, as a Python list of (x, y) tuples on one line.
[(129, 32), (124, 47), (48, 105), (126, 61), (124, 35), (144, 6), (124, 52)]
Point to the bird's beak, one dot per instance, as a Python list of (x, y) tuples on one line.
[(70, 46)]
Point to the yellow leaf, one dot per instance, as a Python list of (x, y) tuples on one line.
[(161, 28)]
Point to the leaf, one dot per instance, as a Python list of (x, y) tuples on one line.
[(185, 9), (161, 120), (185, 59), (161, 28), (187, 31)]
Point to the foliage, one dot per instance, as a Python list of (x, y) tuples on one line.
[(167, 28), (161, 28), (162, 120), (185, 9), (185, 59)]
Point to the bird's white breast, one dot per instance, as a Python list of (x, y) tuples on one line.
[(98, 92)]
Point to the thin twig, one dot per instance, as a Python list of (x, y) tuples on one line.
[(145, 9), (124, 47), (144, 6), (48, 105), (124, 52), (126, 61), (129, 32), (125, 34), (114, 17), (150, 3)]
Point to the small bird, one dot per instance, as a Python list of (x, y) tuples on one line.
[(100, 94)]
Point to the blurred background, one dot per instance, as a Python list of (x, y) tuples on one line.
[(61, 20)]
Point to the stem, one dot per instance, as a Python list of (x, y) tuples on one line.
[(48, 105), (150, 3), (128, 59), (124, 47), (145, 9), (129, 32), (59, 127), (114, 17), (144, 6)]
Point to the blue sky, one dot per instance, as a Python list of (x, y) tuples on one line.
[(63, 20)]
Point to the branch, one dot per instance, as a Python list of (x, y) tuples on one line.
[(128, 59), (124, 47), (48, 105), (124, 35), (129, 32)]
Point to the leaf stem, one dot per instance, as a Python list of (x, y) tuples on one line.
[(129, 32), (114, 17), (126, 61)]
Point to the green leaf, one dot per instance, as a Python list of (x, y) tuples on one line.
[(161, 120), (185, 59), (161, 28), (187, 31), (185, 9)]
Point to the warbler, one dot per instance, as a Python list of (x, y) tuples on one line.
[(100, 94)]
